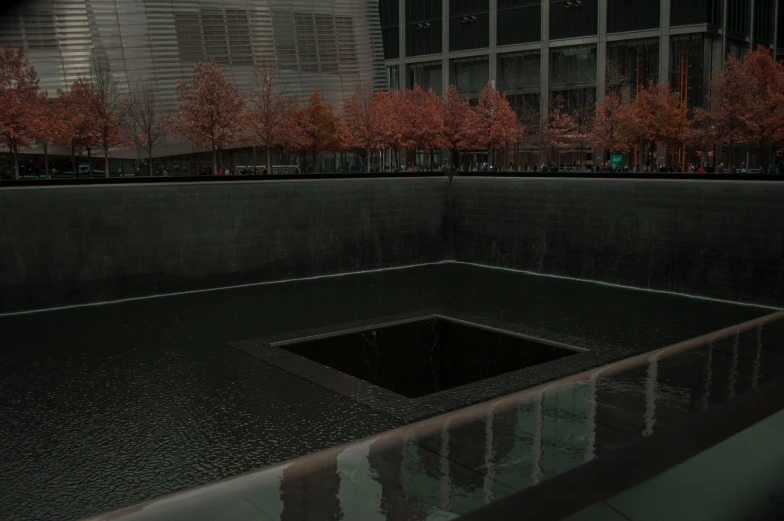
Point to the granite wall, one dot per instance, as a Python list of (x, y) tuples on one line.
[(64, 245), (722, 239)]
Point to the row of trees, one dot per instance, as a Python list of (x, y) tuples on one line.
[(747, 100)]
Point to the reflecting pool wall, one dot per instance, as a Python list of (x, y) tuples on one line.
[(64, 245), (721, 239), (81, 244)]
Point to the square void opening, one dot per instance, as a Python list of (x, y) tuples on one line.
[(425, 356)]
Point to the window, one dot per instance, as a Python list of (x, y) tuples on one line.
[(39, 30), (216, 45), (631, 65), (686, 12), (519, 72), (519, 21), (632, 15), (763, 21), (690, 68), (393, 77), (285, 39), (427, 75), (572, 22), (390, 21), (738, 12), (571, 66), (423, 10), (189, 37), (470, 75), (469, 32), (423, 38), (238, 28)]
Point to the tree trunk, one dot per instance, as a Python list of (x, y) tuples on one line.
[(269, 161), (89, 162), (15, 152), (46, 160), (315, 161), (73, 159), (106, 162), (214, 161), (149, 159), (367, 150)]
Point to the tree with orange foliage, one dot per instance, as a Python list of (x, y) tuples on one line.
[(77, 127), (423, 125), (321, 128), (363, 119), (210, 110), (272, 112), (395, 123), (46, 133), (561, 126), (730, 97), (109, 108), (768, 76), (664, 115), (496, 122), (459, 122), (609, 129), (22, 104)]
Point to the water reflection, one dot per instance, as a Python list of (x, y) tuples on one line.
[(452, 464)]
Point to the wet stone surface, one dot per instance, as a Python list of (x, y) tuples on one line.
[(107, 406)]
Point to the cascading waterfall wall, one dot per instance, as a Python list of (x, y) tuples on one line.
[(67, 245)]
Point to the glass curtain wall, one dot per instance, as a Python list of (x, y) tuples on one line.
[(690, 71), (631, 65), (469, 24), (573, 84), (389, 14), (393, 77), (428, 75), (519, 77), (469, 75)]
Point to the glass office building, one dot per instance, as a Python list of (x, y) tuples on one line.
[(538, 50)]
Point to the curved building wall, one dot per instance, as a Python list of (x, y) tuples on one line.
[(330, 45)]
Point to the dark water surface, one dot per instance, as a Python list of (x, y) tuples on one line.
[(107, 406)]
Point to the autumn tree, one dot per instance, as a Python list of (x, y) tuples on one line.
[(767, 77), (22, 104), (108, 106), (730, 97), (496, 122), (561, 126), (46, 134), (272, 113), (395, 124), (145, 120), (609, 130), (363, 119), (664, 115), (210, 110), (459, 122), (78, 126), (423, 125), (321, 128)]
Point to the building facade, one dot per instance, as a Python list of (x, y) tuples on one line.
[(331, 45), (537, 50)]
